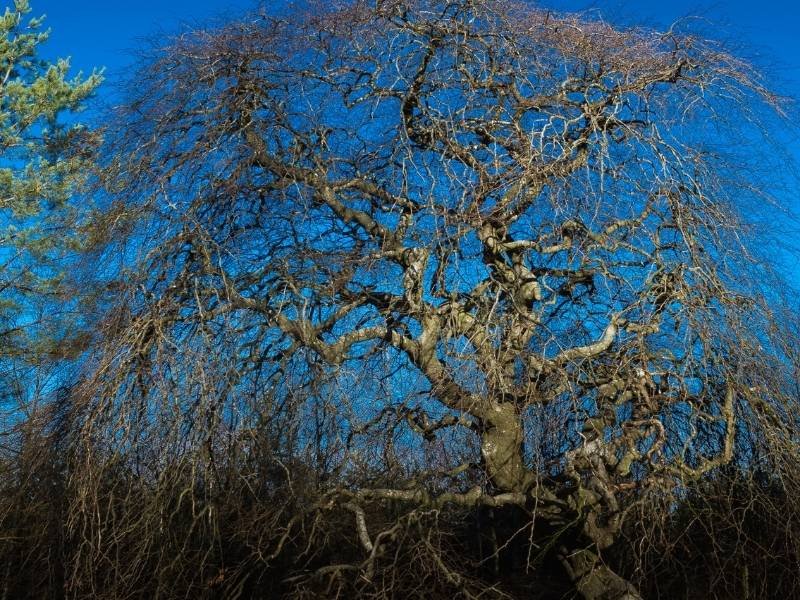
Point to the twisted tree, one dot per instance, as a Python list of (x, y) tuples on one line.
[(453, 257)]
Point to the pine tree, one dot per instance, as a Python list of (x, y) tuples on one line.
[(43, 159)]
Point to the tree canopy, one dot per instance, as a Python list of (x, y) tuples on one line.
[(420, 298)]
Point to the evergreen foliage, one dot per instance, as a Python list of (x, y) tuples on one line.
[(44, 155)]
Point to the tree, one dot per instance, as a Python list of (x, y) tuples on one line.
[(451, 257), (39, 168)]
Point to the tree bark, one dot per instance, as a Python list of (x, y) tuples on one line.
[(594, 580), (501, 448)]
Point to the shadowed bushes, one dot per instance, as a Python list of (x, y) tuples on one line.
[(259, 526)]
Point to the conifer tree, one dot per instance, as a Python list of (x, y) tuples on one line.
[(43, 156)]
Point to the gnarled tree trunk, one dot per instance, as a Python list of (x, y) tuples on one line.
[(595, 580), (501, 449)]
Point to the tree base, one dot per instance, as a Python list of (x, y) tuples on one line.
[(594, 580)]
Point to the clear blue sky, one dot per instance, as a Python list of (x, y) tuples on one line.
[(104, 33)]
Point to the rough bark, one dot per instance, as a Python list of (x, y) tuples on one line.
[(594, 580), (501, 449)]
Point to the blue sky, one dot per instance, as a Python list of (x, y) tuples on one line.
[(102, 33)]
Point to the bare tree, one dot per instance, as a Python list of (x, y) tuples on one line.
[(454, 256)]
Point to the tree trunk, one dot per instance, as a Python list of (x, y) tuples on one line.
[(501, 448), (594, 580)]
